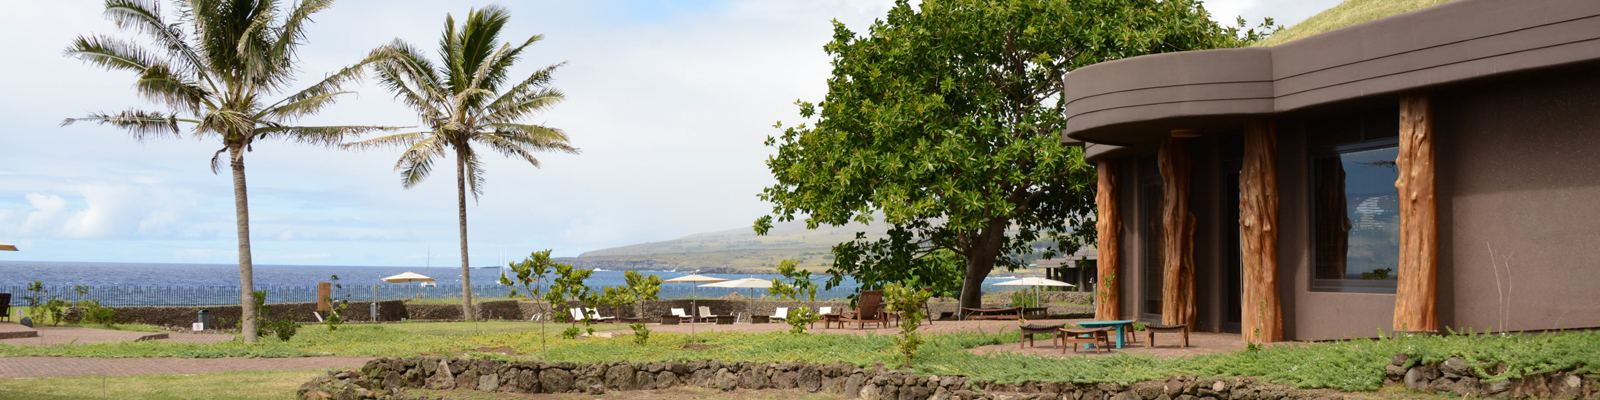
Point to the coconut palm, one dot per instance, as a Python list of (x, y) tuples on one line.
[(462, 102), (213, 67)]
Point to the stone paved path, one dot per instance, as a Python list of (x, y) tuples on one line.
[(54, 367)]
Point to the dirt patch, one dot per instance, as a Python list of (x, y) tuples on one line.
[(680, 393)]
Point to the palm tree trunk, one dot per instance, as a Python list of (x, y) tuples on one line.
[(247, 298), (461, 209)]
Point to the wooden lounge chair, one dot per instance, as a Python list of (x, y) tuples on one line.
[(1036, 329), (1100, 338), (1151, 331), (706, 315), (682, 316), (595, 315), (869, 309)]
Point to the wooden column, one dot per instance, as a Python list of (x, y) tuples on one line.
[(1108, 292), (1416, 303), (1177, 241), (324, 291), (1258, 233)]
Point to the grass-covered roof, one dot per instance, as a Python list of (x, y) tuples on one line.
[(1349, 13)]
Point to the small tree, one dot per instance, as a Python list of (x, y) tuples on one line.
[(531, 274), (799, 288), (908, 300), (639, 288), (569, 286), (336, 307)]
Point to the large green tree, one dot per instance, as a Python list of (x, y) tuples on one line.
[(944, 121), (215, 67), (466, 100)]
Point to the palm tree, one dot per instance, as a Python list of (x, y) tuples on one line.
[(213, 67), (461, 102)]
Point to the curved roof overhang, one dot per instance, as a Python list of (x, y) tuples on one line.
[(1136, 102)]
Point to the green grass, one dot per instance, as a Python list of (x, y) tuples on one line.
[(1345, 14), (226, 385)]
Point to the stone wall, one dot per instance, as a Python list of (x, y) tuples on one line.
[(227, 317), (386, 378)]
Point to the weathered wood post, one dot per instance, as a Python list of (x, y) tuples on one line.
[(1415, 302), (1108, 304), (324, 291), (1258, 233), (1177, 228)]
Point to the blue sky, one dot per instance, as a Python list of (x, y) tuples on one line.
[(669, 101)]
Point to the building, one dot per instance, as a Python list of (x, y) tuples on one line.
[(1432, 170)]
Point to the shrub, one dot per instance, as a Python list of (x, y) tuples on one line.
[(908, 301), (799, 284), (641, 334), (93, 313)]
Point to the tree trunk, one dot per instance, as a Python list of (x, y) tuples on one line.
[(1109, 233), (461, 211), (241, 210), (1415, 305), (980, 261), (1258, 233), (1177, 261)]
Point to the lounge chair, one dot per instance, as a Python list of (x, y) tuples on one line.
[(869, 309), (781, 314), (825, 310), (706, 315), (682, 317), (5, 306), (595, 315), (577, 314)]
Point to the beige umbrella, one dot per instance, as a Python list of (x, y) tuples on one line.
[(408, 277), (1035, 282), (692, 306), (7, 247), (750, 283)]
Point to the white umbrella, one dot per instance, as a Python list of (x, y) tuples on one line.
[(1035, 281), (693, 279), (408, 277), (7, 247)]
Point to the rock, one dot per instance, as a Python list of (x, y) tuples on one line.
[(1417, 379), (1394, 372), (1455, 366), (1467, 387), (467, 380), (489, 383), (393, 380), (1148, 390), (442, 379), (869, 392), (1495, 388), (666, 380), (597, 389), (785, 380), (914, 393), (1441, 385), (1128, 395), (528, 381), (555, 380), (317, 395), (890, 392), (1399, 360), (726, 380), (703, 377), (619, 377), (644, 380), (753, 379), (852, 386), (809, 379)]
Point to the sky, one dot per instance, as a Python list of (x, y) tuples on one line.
[(669, 100)]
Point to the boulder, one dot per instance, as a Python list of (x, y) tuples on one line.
[(666, 380), (489, 383), (1467, 387), (809, 379), (619, 377), (1455, 366), (555, 380)]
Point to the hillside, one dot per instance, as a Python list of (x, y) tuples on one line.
[(731, 250), (1350, 12)]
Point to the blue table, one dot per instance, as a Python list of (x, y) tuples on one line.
[(1120, 325)]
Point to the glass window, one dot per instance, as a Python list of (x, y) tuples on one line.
[(1356, 218)]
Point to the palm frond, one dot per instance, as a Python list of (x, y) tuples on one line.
[(513, 107), (417, 161), (318, 135), (475, 172), (160, 84), (292, 33), (142, 124), (111, 53), (400, 139), (329, 85), (145, 18), (216, 159), (522, 140), (400, 67)]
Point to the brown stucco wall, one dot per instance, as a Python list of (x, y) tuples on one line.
[(1519, 170)]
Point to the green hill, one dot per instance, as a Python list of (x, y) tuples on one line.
[(1348, 13), (732, 250)]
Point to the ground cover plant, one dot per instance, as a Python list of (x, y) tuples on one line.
[(273, 385), (1354, 365)]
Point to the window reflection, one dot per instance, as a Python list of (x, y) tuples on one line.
[(1357, 218)]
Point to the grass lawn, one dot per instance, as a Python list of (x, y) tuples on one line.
[(276, 385)]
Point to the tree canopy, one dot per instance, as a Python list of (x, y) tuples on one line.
[(944, 120)]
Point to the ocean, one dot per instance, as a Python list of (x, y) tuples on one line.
[(127, 284)]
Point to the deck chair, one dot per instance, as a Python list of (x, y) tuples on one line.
[(5, 306), (595, 315), (706, 315), (781, 314), (577, 314), (682, 317), (869, 309)]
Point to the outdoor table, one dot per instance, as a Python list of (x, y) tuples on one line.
[(760, 319), (1120, 325), (829, 319), (726, 319)]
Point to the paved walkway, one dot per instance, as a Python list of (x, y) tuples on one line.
[(55, 367), (48, 336)]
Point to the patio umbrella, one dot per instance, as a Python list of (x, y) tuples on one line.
[(1035, 282), (408, 277), (693, 279), (7, 247)]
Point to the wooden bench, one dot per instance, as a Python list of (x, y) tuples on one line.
[(1031, 329), (1151, 331), (1100, 338)]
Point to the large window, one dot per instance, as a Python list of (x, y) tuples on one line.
[(1355, 206), (1150, 273)]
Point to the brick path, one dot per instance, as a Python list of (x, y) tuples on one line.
[(54, 367)]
